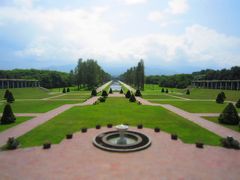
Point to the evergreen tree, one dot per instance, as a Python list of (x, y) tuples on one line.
[(128, 94), (68, 89), (188, 92), (104, 93), (238, 103), (110, 91), (94, 92), (132, 98), (162, 90), (10, 98), (138, 93), (166, 91), (229, 115), (64, 90), (223, 95), (6, 94), (121, 91), (7, 116), (220, 99)]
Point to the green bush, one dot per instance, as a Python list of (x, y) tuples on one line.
[(238, 104), (121, 91), (138, 93), (8, 116), (230, 142), (110, 91), (10, 97), (12, 143), (6, 94), (68, 89), (223, 95), (220, 98), (166, 91), (104, 93), (229, 115), (94, 92), (162, 90), (128, 94), (102, 99), (64, 90), (132, 98), (188, 92)]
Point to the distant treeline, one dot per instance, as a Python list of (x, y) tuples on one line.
[(89, 74), (184, 80), (134, 76), (47, 78)]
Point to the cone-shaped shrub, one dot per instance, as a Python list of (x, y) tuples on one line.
[(121, 91), (166, 91), (64, 90), (138, 93), (12, 143), (104, 93), (102, 99), (110, 91), (128, 94), (162, 90), (229, 115), (188, 92), (238, 104), (220, 99), (223, 95), (94, 92), (8, 116), (6, 94), (68, 90), (132, 98), (10, 97)]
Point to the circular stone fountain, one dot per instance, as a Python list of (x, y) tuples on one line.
[(122, 140)]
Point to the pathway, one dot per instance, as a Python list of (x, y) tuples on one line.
[(211, 126), (79, 159)]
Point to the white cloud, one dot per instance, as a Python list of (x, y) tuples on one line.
[(133, 2), (178, 6)]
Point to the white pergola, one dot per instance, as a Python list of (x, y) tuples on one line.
[(18, 83), (217, 84)]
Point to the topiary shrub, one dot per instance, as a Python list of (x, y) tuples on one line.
[(220, 99), (238, 104), (94, 92), (98, 126), (84, 130), (10, 97), (188, 92), (162, 90), (68, 89), (102, 99), (223, 95), (230, 142), (132, 98), (128, 94), (69, 136), (174, 136), (138, 93), (110, 91), (7, 116), (6, 94), (104, 93), (12, 143), (121, 91), (166, 91), (139, 126), (199, 145), (47, 145), (64, 90), (157, 129), (229, 115)]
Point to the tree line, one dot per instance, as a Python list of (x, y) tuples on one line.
[(135, 76), (89, 74)]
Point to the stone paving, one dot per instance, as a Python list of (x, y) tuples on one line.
[(79, 159)]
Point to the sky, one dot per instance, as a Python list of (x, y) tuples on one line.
[(171, 36)]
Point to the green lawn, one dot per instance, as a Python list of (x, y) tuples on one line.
[(196, 106), (215, 120), (38, 106), (117, 111), (27, 93), (158, 96), (18, 121), (73, 96)]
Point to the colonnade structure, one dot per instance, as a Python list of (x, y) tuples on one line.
[(18, 83), (217, 84)]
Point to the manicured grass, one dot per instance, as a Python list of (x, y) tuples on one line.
[(196, 106), (158, 96), (27, 93), (37, 106), (72, 89), (73, 96), (117, 111), (215, 120), (19, 120)]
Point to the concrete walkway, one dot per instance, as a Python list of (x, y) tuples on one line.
[(211, 126), (78, 159)]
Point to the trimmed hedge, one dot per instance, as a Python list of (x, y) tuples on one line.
[(7, 116), (229, 115)]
